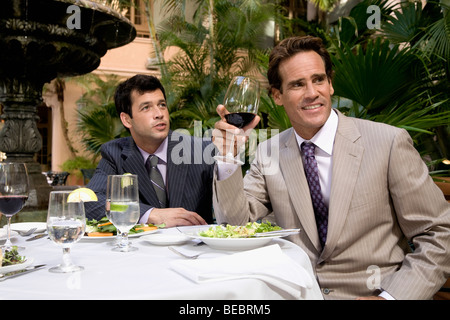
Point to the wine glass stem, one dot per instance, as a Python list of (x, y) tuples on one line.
[(124, 242), (67, 262), (230, 151), (8, 244)]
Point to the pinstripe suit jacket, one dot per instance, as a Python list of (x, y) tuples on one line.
[(189, 174), (381, 196)]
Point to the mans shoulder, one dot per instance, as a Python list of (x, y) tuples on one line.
[(372, 124), (117, 143)]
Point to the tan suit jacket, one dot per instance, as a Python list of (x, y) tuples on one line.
[(381, 196)]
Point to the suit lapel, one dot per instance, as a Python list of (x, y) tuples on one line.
[(178, 152), (347, 156), (291, 166), (133, 162)]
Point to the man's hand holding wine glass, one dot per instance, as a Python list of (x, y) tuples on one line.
[(226, 135), (238, 117)]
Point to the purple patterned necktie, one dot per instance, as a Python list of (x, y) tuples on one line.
[(312, 175)]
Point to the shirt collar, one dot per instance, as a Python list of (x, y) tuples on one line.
[(324, 138), (161, 152)]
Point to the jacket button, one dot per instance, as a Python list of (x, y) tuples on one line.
[(326, 291)]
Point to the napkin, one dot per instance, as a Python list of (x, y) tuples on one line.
[(268, 264)]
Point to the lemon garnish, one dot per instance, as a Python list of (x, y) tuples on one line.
[(82, 194), (118, 207), (126, 181)]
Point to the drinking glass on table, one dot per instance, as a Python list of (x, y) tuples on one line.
[(124, 207), (241, 101), (13, 193), (66, 224), (118, 241)]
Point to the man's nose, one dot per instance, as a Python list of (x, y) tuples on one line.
[(311, 91), (158, 114)]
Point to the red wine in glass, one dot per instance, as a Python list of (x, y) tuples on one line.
[(241, 101), (240, 119), (13, 192), (10, 205)]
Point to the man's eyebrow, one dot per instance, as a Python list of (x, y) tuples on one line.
[(319, 75), (145, 103), (313, 76), (151, 103)]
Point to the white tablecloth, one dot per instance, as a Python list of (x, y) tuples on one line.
[(142, 274)]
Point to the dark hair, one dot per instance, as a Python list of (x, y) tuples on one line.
[(290, 47), (140, 83)]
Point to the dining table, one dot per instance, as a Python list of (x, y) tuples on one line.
[(154, 272)]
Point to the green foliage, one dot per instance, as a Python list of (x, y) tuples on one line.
[(399, 74), (73, 166), (98, 121), (220, 42)]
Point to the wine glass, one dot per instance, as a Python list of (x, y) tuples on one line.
[(13, 193), (124, 207), (66, 224), (241, 101)]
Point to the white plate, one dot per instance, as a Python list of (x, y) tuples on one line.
[(25, 226), (134, 235), (17, 267), (233, 244), (4, 234), (236, 243), (166, 239)]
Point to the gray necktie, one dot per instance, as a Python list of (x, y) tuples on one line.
[(312, 175), (157, 180)]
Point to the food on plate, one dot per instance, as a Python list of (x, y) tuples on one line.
[(82, 194), (246, 231), (100, 234), (105, 228), (146, 228), (10, 257)]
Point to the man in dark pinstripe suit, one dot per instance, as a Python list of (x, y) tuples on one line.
[(185, 162)]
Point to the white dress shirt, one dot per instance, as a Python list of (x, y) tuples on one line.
[(324, 141)]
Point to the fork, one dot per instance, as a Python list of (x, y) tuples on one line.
[(185, 255), (26, 233)]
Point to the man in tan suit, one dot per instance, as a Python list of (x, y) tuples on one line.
[(376, 187)]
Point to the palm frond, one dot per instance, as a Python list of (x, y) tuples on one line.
[(373, 77)]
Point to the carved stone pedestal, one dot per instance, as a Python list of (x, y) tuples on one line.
[(39, 41)]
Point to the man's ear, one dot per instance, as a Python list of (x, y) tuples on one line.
[(276, 94), (125, 118)]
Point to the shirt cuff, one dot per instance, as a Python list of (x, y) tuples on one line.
[(225, 170), (386, 295), (144, 218)]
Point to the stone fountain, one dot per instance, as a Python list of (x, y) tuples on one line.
[(39, 41)]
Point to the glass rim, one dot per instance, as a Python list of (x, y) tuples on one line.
[(121, 175)]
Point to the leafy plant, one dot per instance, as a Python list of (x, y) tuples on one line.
[(98, 121), (73, 166), (223, 40), (400, 74)]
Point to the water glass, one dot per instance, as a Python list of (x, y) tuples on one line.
[(123, 207), (66, 224)]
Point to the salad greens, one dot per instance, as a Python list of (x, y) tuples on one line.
[(12, 257), (246, 231), (104, 225)]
